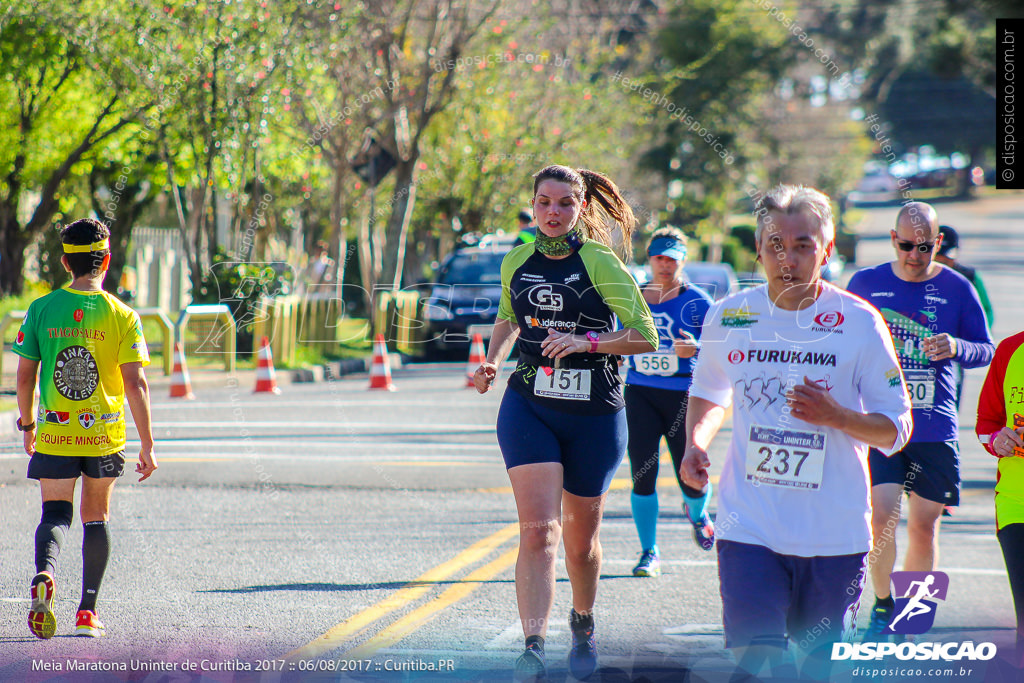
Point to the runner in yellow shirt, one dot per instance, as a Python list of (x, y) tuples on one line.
[(91, 351)]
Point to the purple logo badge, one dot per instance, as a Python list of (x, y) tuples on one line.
[(916, 595)]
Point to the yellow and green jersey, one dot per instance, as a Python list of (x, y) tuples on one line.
[(80, 340), (1001, 404)]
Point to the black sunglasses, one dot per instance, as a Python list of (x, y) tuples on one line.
[(923, 247)]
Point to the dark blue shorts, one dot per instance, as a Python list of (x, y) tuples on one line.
[(931, 470), (589, 447), (769, 599)]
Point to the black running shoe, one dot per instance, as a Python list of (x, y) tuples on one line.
[(881, 615), (530, 667), (583, 654)]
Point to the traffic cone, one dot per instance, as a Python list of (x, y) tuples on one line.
[(181, 385), (380, 370), (266, 382), (477, 355)]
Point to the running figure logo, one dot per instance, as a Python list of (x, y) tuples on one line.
[(915, 610)]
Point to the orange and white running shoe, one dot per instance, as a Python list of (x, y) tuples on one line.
[(88, 626), (41, 620)]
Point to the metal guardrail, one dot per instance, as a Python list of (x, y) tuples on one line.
[(8, 320), (219, 339), (158, 316), (396, 315)]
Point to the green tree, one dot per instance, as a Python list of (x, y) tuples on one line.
[(716, 62), (62, 104)]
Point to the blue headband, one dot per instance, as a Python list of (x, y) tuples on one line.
[(667, 246)]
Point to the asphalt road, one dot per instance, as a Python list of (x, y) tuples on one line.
[(334, 532)]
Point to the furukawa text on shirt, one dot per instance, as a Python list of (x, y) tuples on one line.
[(736, 356)]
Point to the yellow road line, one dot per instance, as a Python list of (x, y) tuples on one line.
[(336, 637), (412, 621)]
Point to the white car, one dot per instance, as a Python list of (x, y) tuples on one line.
[(876, 186)]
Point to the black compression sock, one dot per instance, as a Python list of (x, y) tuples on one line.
[(581, 622), (51, 532), (692, 492), (95, 551), (885, 602), (535, 642)]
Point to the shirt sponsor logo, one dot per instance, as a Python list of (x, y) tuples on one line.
[(546, 300), (20, 339), (548, 322), (530, 277), (86, 419), (883, 294), (894, 377), (75, 333), (79, 314), (111, 417), (738, 317), (75, 373), (830, 319), (572, 278), (932, 299), (68, 440), (57, 417), (787, 357)]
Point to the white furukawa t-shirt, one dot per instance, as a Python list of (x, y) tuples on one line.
[(797, 488)]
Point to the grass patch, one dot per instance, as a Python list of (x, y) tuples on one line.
[(33, 290)]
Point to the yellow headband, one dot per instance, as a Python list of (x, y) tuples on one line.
[(83, 248)]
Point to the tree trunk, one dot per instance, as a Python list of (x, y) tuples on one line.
[(366, 268), (397, 228), (339, 245), (13, 243)]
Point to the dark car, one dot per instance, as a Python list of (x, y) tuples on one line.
[(463, 300)]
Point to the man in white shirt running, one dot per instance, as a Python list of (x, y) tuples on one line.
[(816, 382)]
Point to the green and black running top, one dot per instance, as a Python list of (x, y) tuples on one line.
[(578, 294)]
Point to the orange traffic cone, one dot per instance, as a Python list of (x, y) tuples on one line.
[(477, 355), (181, 385), (266, 382), (380, 370)]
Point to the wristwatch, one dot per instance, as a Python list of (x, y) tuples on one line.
[(25, 428), (592, 336)]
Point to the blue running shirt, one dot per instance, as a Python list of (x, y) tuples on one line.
[(914, 311), (682, 313)]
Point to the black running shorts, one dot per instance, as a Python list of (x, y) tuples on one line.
[(45, 466)]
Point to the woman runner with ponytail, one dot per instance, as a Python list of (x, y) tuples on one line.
[(562, 426)]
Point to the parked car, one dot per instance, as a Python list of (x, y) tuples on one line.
[(877, 186), (463, 300), (717, 279)]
